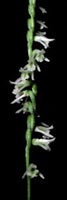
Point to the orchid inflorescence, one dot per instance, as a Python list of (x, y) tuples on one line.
[(25, 91)]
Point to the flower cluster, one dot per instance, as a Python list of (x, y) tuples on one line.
[(24, 95), (46, 138), (36, 56), (25, 90)]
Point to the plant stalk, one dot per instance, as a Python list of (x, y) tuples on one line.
[(30, 38)]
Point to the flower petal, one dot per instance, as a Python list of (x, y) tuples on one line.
[(19, 98), (43, 10), (47, 60), (20, 110), (42, 24)]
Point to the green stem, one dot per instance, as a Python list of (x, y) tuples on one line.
[(28, 178), (28, 138), (28, 188), (30, 125), (31, 26)]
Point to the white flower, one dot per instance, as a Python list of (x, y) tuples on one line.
[(20, 85), (25, 75), (44, 143), (18, 91), (43, 40), (46, 139), (18, 98), (38, 55), (30, 67), (32, 172), (42, 24), (44, 130)]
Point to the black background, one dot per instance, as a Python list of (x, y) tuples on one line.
[(50, 102)]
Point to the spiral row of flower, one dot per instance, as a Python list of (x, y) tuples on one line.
[(25, 91)]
